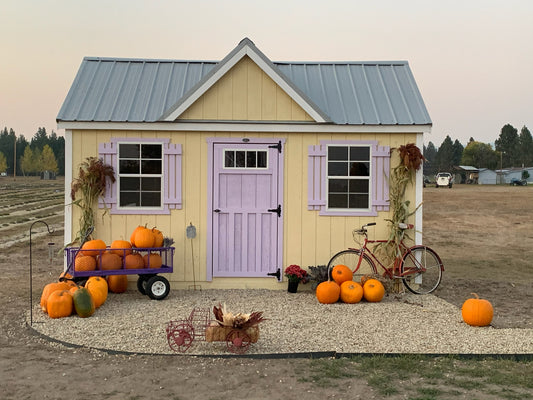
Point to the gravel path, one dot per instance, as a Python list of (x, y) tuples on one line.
[(295, 323)]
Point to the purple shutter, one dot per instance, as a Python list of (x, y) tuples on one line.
[(172, 175), (108, 153), (380, 178), (316, 177)]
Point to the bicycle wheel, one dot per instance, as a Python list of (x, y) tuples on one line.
[(350, 258), (421, 270)]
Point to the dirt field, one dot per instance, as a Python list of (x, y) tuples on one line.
[(484, 235)]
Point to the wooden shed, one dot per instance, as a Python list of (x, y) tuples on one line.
[(274, 163)]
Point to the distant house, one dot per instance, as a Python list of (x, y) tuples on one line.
[(275, 163), (467, 174)]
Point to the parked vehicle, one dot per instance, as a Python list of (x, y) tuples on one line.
[(518, 182), (444, 179)]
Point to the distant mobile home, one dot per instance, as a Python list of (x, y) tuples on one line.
[(274, 163)]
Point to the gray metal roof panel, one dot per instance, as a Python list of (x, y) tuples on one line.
[(137, 90)]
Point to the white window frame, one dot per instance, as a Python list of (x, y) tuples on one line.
[(140, 175)]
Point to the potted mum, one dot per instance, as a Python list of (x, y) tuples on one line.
[(295, 275)]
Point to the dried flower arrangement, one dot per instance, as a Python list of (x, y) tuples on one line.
[(223, 317), (91, 183)]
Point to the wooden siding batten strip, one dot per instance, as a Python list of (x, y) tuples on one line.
[(108, 153)]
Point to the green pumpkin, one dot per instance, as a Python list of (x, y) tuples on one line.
[(83, 303)]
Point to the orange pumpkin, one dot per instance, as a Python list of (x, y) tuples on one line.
[(341, 273), (59, 304), (73, 289), (144, 238), (64, 276), (97, 286), (93, 247), (373, 291), (134, 261), (48, 289), (109, 261), (84, 263), (351, 292), (132, 237), (158, 237), (477, 312), (117, 283), (328, 292), (120, 247), (152, 260)]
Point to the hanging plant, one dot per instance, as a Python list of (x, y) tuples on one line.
[(89, 186)]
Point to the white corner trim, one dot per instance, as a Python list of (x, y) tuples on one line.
[(67, 225), (419, 195)]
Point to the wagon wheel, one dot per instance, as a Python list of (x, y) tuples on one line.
[(237, 341), (180, 336)]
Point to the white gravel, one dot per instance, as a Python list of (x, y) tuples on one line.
[(295, 323)]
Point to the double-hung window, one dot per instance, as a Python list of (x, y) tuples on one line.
[(348, 178), (140, 173)]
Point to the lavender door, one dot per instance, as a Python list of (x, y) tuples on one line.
[(246, 209)]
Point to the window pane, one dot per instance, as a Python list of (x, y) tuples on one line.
[(359, 186), (151, 151), (359, 153), (151, 199), (151, 167), (261, 159), (338, 186), (338, 200), (129, 151), (359, 169), (130, 184), (358, 201), (240, 159), (250, 159), (130, 199), (338, 153), (128, 166), (151, 184), (229, 159), (338, 169)]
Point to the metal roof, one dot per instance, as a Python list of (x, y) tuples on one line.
[(143, 90)]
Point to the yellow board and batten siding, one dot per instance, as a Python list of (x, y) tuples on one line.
[(244, 93)]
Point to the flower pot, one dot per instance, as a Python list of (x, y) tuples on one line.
[(293, 286)]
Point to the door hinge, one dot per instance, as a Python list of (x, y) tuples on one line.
[(277, 274), (276, 146), (276, 210)]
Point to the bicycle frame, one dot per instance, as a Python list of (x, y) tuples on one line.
[(394, 271)]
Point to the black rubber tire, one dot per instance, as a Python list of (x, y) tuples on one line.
[(418, 258), (141, 283), (350, 258), (157, 287)]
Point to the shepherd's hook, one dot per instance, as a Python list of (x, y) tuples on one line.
[(31, 266)]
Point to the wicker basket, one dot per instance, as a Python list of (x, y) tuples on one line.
[(216, 333)]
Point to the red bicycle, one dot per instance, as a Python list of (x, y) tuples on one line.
[(419, 267)]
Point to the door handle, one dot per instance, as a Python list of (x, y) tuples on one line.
[(276, 210), (217, 210)]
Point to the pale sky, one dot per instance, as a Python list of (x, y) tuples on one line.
[(472, 59)]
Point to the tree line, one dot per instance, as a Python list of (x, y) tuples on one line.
[(43, 152), (511, 150)]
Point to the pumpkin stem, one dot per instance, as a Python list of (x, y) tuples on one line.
[(475, 295)]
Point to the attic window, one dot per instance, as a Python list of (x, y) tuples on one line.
[(245, 159)]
